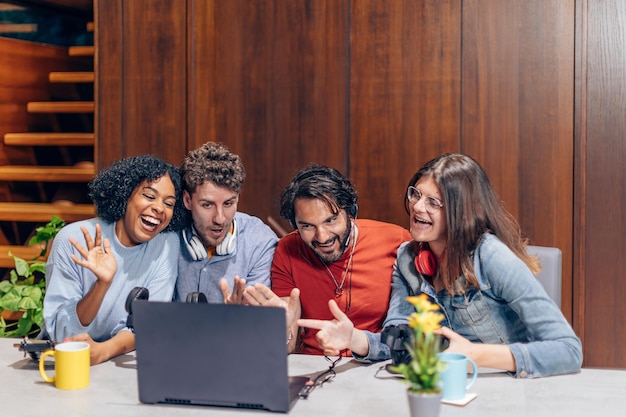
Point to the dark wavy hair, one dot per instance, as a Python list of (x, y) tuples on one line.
[(213, 162), (321, 183), (472, 209), (111, 189)]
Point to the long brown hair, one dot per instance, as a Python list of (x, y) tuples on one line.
[(472, 209)]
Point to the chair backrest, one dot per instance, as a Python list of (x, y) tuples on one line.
[(551, 270), (278, 229)]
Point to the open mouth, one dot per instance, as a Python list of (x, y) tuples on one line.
[(216, 233), (326, 245), (150, 222), (422, 222)]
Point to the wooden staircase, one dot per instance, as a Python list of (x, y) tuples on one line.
[(60, 188), (82, 51), (60, 107), (49, 139)]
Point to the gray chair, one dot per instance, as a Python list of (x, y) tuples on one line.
[(551, 270)]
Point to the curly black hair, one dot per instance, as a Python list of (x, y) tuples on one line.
[(111, 189)]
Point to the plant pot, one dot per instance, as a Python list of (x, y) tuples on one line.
[(424, 404), (9, 315)]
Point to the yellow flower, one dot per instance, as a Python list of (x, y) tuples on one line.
[(421, 303), (422, 372), (427, 321)]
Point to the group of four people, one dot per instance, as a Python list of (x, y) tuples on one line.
[(340, 279)]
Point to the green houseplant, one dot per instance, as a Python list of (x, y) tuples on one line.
[(24, 291), (423, 370)]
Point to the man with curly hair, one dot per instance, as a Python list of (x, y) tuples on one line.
[(222, 250), (94, 264)]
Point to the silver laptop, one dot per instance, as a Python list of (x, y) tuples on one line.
[(213, 354)]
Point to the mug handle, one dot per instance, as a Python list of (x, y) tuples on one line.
[(42, 369), (474, 374)]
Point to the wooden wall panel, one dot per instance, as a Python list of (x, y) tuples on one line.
[(108, 85), (376, 89), (144, 57), (269, 79), (155, 52), (518, 90), (603, 221), (404, 97)]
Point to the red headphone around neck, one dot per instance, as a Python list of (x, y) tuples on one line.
[(426, 261)]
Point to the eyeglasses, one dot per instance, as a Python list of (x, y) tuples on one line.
[(321, 379), (432, 205)]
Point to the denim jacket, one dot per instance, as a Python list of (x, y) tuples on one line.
[(510, 307)]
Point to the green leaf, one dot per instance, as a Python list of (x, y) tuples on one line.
[(47, 232), (21, 266), (12, 276), (5, 287), (38, 317), (26, 303), (10, 301), (38, 267), (25, 288), (33, 293)]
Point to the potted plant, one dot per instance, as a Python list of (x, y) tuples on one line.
[(423, 370), (21, 296)]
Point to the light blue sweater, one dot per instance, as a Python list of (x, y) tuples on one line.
[(151, 265)]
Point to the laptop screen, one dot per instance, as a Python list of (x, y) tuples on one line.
[(213, 354)]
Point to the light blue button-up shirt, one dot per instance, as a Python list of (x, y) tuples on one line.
[(251, 260)]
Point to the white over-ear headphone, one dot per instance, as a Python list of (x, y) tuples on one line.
[(197, 250)]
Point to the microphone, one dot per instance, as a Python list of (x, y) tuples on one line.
[(345, 244), (137, 293)]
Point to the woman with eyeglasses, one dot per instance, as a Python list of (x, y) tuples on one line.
[(468, 256)]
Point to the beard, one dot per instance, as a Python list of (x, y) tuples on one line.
[(343, 239), (209, 240)]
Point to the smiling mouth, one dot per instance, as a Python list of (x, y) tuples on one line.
[(150, 221), (422, 222), (326, 245)]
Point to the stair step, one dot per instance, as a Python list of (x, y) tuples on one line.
[(71, 77), (18, 28), (49, 139), (60, 107), (46, 173), (42, 212), (24, 252), (81, 50)]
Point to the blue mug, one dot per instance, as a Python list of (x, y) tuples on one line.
[(454, 378)]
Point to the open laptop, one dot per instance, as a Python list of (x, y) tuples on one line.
[(213, 354)]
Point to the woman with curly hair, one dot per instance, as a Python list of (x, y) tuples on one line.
[(89, 279)]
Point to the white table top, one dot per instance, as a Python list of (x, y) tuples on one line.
[(357, 390)]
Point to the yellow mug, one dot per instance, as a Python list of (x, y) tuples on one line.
[(71, 365)]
